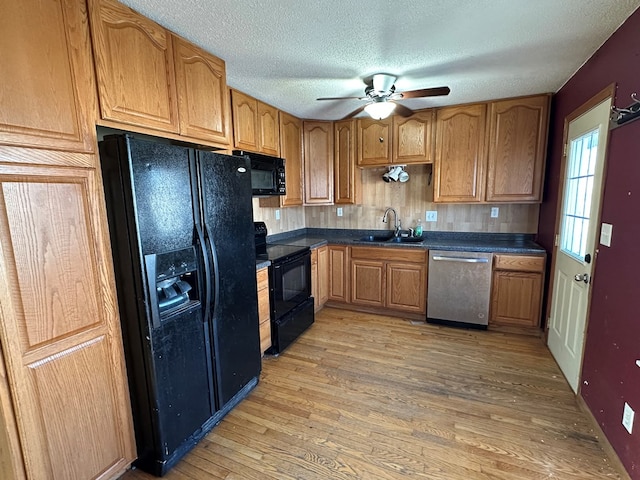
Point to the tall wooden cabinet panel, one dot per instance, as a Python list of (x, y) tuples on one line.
[(245, 120), (59, 325), (347, 179), (517, 149), (320, 276), (291, 151), (318, 163), (374, 141), (48, 88), (135, 67), (413, 138), (339, 273), (268, 129), (460, 159), (201, 81)]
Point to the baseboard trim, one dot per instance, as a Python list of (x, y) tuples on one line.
[(603, 440)]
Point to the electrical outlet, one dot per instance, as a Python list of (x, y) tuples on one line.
[(494, 212), (277, 214), (339, 211), (431, 216), (627, 417)]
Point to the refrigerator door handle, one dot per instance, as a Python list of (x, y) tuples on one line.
[(216, 276), (207, 272)]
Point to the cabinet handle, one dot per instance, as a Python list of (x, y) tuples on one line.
[(460, 259)]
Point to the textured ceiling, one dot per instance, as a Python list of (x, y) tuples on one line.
[(289, 52)]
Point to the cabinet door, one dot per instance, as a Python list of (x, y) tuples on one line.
[(339, 273), (48, 88), (347, 179), (291, 151), (201, 81), (134, 65), (323, 275), (318, 163), (245, 118), (460, 159), (374, 142), (264, 311), (517, 149), (516, 298), (268, 130), (367, 283), (407, 287), (413, 138), (59, 325)]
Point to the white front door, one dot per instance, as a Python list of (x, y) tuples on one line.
[(575, 245)]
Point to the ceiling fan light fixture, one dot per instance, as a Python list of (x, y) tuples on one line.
[(380, 110)]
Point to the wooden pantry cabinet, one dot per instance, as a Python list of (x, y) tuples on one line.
[(152, 79), (318, 163), (48, 98), (517, 290), (491, 153), (255, 125), (64, 399), (396, 140)]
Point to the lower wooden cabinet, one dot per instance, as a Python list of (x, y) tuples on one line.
[(389, 278), (264, 310), (320, 276), (517, 290), (338, 287)]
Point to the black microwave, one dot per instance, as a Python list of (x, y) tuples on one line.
[(267, 174)]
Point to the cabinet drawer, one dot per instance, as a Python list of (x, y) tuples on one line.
[(390, 254), (520, 263), (262, 276)]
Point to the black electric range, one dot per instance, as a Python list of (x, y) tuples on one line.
[(290, 299)]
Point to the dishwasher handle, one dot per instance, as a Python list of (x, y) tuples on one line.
[(443, 258)]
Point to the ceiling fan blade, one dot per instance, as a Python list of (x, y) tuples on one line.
[(402, 110), (426, 92), (341, 98), (354, 113)]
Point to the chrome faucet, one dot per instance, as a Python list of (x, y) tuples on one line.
[(397, 225)]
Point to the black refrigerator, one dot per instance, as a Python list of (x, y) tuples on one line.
[(181, 227)]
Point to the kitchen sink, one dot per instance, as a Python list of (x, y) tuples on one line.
[(390, 239)]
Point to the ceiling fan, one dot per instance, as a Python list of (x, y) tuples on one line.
[(382, 96)]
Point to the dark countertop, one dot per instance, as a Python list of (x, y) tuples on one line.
[(453, 241), (262, 264)]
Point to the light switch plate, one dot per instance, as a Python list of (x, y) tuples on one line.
[(494, 212), (339, 211), (277, 214), (627, 417), (606, 231), (431, 216)]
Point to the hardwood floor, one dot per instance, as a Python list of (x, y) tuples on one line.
[(361, 396)]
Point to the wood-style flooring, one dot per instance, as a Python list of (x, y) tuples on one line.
[(362, 396)]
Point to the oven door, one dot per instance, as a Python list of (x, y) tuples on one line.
[(290, 283)]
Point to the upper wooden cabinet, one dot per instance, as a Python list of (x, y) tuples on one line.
[(399, 140), (460, 158), (59, 328), (318, 163), (374, 142), (48, 88), (201, 81), (517, 149), (255, 125), (149, 78), (291, 151), (413, 138), (135, 67), (347, 179)]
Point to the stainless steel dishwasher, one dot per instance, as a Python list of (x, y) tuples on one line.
[(459, 288)]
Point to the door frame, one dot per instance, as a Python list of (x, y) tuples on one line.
[(598, 98)]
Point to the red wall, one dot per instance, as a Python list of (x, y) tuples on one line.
[(610, 375)]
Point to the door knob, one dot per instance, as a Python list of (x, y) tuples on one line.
[(582, 277)]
